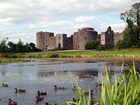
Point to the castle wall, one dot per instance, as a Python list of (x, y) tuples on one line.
[(118, 36), (83, 36), (44, 40), (69, 43), (51, 43), (102, 38), (77, 41), (107, 37), (61, 41)]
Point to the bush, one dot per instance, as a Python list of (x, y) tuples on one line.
[(121, 44), (92, 45)]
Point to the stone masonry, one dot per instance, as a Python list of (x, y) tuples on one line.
[(83, 36), (47, 41)]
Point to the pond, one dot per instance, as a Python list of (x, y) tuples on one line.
[(42, 76)]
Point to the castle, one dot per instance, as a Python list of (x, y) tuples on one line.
[(77, 41)]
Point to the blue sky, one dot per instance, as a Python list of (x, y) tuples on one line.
[(21, 19)]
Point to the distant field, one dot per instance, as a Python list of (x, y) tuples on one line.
[(79, 54)]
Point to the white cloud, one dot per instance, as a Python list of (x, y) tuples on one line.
[(36, 9), (60, 15)]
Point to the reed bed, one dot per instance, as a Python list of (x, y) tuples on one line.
[(124, 91)]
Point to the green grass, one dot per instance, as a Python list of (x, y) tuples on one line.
[(80, 54), (124, 91), (12, 60)]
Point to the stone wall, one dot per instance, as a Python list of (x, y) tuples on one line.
[(61, 41), (83, 36), (107, 37), (45, 40), (118, 36), (77, 41)]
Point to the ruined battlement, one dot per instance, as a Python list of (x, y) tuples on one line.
[(48, 41)]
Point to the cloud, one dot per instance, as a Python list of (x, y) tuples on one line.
[(62, 16), (42, 9)]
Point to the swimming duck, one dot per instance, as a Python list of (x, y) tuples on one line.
[(11, 102), (4, 85), (20, 90), (41, 93), (38, 99), (58, 88)]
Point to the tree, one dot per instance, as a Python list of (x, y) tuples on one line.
[(3, 46), (132, 31), (11, 46), (19, 46), (91, 45), (32, 47)]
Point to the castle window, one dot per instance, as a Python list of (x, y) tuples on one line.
[(59, 45), (85, 38)]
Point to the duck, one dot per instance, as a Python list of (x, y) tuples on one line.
[(98, 84), (20, 90), (38, 99), (4, 85), (41, 93), (11, 102), (87, 93), (58, 88)]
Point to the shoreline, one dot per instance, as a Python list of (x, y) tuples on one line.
[(120, 59)]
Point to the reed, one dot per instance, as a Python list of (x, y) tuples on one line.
[(124, 91)]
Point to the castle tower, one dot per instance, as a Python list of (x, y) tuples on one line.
[(107, 37), (61, 41), (83, 36), (45, 40)]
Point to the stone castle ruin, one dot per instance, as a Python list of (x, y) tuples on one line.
[(48, 41)]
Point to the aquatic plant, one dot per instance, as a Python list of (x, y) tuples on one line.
[(124, 91)]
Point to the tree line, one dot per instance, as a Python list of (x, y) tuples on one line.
[(131, 32), (11, 47)]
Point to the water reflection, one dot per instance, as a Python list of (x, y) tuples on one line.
[(44, 75)]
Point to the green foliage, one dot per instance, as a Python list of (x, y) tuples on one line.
[(83, 100), (3, 46), (127, 53), (108, 46), (92, 45), (132, 31), (122, 44), (124, 91), (10, 47)]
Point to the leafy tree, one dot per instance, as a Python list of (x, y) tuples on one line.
[(19, 46), (32, 47), (3, 46), (132, 18), (109, 46), (92, 45), (11, 46)]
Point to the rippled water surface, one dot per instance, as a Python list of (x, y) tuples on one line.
[(34, 76)]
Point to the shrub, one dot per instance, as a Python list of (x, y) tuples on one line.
[(91, 45)]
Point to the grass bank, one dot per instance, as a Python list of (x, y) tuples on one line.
[(80, 54), (12, 60)]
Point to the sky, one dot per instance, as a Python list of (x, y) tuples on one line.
[(22, 19)]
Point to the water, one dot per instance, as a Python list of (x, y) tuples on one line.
[(34, 76)]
